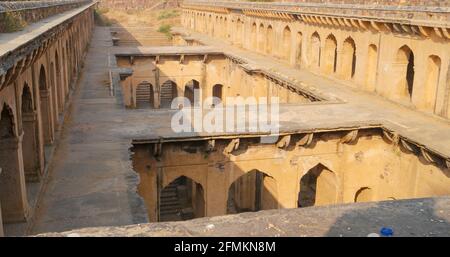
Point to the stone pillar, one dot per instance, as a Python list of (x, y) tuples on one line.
[(46, 116), (13, 195), (30, 148)]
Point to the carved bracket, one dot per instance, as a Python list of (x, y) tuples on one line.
[(232, 146), (284, 142), (305, 140)]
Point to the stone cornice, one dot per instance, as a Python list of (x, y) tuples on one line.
[(416, 21)]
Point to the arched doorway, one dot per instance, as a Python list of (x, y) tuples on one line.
[(405, 60), (30, 142), (53, 95), (239, 25), (270, 39), (286, 51), (182, 199), (330, 54), (363, 195), (372, 63), (298, 57), (193, 93), (168, 93), (59, 84), (349, 58), (318, 187), (261, 39), (314, 50), (253, 38), (432, 82), (13, 198), (217, 94), (253, 191), (47, 124), (144, 95)]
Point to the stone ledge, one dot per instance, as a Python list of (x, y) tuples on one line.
[(410, 218)]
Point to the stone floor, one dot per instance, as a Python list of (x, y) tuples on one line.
[(407, 218)]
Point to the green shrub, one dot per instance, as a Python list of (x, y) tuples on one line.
[(100, 19), (12, 22), (165, 28), (168, 14)]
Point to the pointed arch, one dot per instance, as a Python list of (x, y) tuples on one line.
[(287, 39), (270, 40), (261, 38), (192, 92), (371, 67), (182, 199), (349, 58), (330, 54), (319, 186), (315, 50), (253, 191), (405, 61), (432, 83), (169, 91)]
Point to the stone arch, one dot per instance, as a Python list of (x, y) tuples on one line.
[(315, 50), (299, 46), (144, 95), (217, 93), (239, 26), (349, 58), (330, 54), (253, 37), (287, 39), (59, 83), (192, 92), (13, 199), (168, 93), (261, 38), (182, 199), (30, 142), (253, 191), (364, 194), (46, 114), (371, 67), (432, 82), (53, 94), (270, 40), (405, 61), (319, 186)]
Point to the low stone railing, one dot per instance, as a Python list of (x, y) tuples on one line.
[(15, 15)]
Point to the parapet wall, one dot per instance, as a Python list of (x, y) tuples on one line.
[(139, 4), (33, 11), (416, 11)]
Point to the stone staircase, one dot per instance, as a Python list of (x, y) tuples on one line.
[(143, 96), (166, 94), (170, 207), (140, 36)]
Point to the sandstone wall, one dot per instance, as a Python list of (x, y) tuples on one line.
[(33, 11), (139, 4)]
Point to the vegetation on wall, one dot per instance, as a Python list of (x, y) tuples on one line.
[(167, 14), (11, 22), (100, 18), (165, 28)]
